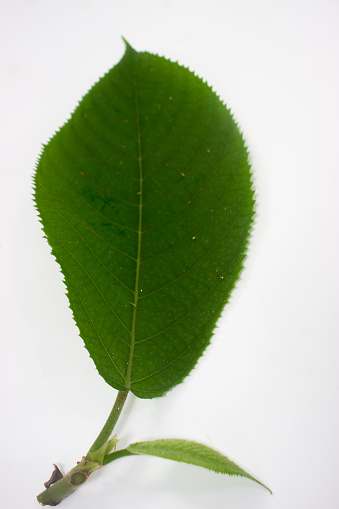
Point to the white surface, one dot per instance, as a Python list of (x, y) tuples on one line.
[(266, 392)]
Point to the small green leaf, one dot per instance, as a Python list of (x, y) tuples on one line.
[(191, 452), (145, 198)]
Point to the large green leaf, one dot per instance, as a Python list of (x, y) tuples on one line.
[(145, 198)]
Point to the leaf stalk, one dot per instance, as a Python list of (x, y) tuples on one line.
[(109, 425)]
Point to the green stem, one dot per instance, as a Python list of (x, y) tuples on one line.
[(58, 491), (106, 431), (116, 455)]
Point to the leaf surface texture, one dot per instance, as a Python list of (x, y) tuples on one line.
[(145, 198), (187, 451)]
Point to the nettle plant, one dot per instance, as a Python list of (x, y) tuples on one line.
[(146, 200)]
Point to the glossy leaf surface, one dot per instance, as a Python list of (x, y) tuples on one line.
[(145, 198)]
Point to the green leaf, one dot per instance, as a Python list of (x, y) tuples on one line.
[(191, 452), (145, 198)]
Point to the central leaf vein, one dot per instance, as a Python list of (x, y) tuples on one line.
[(138, 262)]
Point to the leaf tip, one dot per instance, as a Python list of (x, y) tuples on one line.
[(127, 44)]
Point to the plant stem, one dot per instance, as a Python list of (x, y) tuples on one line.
[(58, 491), (116, 455), (80, 473), (106, 431)]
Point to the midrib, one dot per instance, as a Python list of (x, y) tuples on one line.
[(137, 274)]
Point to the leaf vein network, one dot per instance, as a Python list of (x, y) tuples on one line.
[(198, 303), (97, 332), (87, 273)]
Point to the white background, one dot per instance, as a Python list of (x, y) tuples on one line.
[(266, 391)]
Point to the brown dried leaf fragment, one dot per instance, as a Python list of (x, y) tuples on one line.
[(56, 476)]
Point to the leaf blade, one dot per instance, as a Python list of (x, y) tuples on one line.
[(145, 197), (193, 453)]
